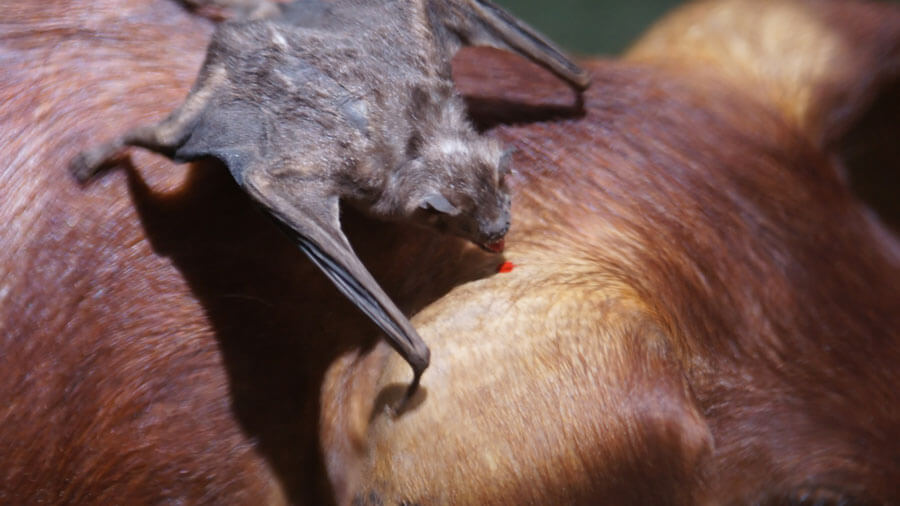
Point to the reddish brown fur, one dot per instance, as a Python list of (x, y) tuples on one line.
[(702, 312)]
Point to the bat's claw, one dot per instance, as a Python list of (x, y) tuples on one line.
[(410, 399), (412, 389), (89, 163), (82, 168), (418, 363)]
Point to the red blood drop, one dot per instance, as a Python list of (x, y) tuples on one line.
[(506, 267)]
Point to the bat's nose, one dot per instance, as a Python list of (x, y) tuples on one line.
[(498, 229), (492, 235)]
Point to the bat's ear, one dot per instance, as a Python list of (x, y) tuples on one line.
[(505, 164), (439, 203)]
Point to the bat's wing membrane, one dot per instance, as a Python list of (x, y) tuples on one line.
[(482, 23), (312, 218), (232, 133)]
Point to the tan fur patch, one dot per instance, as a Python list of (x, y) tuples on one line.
[(779, 51)]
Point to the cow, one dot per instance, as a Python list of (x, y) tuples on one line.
[(698, 305)]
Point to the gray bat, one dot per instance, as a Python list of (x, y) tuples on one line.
[(314, 102)]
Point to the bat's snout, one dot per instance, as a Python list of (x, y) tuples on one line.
[(493, 236)]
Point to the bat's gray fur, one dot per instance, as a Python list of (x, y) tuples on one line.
[(316, 102)]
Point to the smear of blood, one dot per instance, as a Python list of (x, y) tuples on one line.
[(496, 246), (507, 267)]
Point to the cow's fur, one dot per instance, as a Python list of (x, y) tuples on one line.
[(702, 311)]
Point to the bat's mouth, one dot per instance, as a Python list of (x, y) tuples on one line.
[(494, 246)]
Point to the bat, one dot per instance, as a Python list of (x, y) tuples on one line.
[(315, 102)]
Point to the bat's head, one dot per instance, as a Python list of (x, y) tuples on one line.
[(464, 190)]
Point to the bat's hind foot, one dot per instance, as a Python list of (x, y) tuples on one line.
[(160, 138), (90, 162)]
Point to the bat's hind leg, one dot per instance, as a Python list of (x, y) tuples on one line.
[(163, 137)]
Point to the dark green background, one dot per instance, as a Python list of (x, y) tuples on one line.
[(590, 26)]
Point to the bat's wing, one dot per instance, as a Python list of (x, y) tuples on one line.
[(482, 23), (294, 107), (311, 216), (232, 132)]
